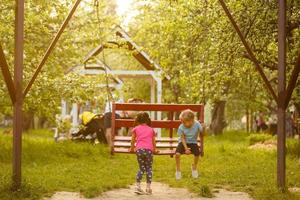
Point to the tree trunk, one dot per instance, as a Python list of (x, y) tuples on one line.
[(247, 121), (251, 121), (218, 122), (28, 120)]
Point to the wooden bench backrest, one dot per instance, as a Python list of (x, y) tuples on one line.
[(171, 108), (170, 123)]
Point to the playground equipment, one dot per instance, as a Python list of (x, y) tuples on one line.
[(17, 94), (165, 145)]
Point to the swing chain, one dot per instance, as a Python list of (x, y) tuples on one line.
[(110, 97)]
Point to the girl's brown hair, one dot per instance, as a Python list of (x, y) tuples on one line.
[(142, 118)]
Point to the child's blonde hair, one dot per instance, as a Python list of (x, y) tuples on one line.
[(187, 115)]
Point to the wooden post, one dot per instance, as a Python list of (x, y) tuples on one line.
[(75, 115), (251, 120), (159, 100), (113, 127), (247, 121), (292, 83), (171, 118), (7, 76), (281, 94), (152, 85), (203, 126), (17, 107)]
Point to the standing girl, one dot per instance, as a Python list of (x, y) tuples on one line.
[(143, 143)]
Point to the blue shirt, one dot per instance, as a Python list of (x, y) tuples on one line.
[(191, 134)]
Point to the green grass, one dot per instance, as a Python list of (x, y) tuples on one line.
[(255, 138), (82, 167)]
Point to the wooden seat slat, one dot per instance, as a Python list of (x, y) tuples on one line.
[(161, 152), (158, 145), (162, 139)]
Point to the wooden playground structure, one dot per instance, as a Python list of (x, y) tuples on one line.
[(18, 92), (151, 71)]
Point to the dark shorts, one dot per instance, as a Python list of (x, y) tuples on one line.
[(194, 149), (107, 119)]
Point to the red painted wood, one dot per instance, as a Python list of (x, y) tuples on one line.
[(113, 127), (161, 152), (163, 139), (155, 123), (158, 107), (121, 144), (158, 144)]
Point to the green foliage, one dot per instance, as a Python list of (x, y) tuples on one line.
[(42, 21), (63, 125), (198, 48)]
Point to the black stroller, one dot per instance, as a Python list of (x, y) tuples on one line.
[(92, 128)]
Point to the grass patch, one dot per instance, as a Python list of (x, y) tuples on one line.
[(293, 147), (259, 138), (82, 167)]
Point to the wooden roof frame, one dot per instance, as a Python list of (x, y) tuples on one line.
[(99, 66), (141, 56)]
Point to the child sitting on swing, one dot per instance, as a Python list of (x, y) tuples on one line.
[(144, 145), (188, 133)]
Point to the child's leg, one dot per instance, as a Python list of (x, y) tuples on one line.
[(177, 158), (148, 165), (196, 159), (195, 150), (179, 150), (142, 169)]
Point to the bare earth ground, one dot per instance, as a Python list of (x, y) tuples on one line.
[(266, 145), (160, 192)]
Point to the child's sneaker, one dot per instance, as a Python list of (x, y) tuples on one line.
[(139, 191), (195, 173), (148, 191), (178, 175)]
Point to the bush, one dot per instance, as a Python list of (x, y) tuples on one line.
[(293, 147), (259, 138), (205, 191)]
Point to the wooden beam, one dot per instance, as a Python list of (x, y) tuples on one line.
[(292, 82), (249, 51), (159, 107), (51, 46), (17, 110), (7, 76), (281, 112), (116, 72)]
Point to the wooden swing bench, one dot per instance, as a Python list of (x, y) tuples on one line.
[(165, 145)]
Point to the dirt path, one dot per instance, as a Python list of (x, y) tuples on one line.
[(160, 192)]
